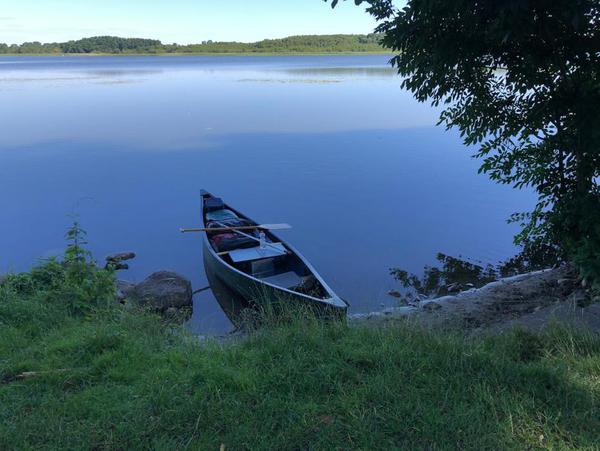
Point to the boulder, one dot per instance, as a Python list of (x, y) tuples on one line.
[(162, 290), (395, 293), (125, 289)]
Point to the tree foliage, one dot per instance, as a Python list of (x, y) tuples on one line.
[(110, 44), (116, 45), (520, 79)]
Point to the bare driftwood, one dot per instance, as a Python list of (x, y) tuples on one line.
[(119, 257), (115, 261)]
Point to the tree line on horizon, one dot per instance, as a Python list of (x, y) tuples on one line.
[(117, 45)]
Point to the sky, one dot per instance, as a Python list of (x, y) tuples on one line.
[(181, 21)]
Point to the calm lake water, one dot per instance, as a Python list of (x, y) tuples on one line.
[(329, 144)]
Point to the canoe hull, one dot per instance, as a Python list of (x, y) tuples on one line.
[(235, 293)]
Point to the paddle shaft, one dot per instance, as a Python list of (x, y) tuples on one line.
[(239, 231), (224, 229)]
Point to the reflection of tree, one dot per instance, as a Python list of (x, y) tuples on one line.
[(454, 274)]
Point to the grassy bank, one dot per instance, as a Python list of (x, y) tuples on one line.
[(109, 377)]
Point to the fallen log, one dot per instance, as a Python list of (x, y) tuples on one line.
[(120, 257)]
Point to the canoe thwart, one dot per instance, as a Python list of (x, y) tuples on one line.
[(282, 226)]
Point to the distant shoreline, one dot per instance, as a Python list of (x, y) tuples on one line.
[(200, 54), (115, 45)]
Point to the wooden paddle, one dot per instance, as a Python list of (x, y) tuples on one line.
[(227, 229)]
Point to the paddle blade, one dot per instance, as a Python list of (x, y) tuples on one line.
[(275, 226)]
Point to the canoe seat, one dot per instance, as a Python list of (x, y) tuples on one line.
[(285, 280), (256, 253)]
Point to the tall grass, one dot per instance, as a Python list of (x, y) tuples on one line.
[(110, 377)]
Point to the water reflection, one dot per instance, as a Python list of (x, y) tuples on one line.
[(451, 276), (233, 304), (343, 71), (289, 80), (454, 274), (113, 73), (81, 75)]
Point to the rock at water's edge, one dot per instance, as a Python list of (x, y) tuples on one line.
[(162, 290), (125, 289)]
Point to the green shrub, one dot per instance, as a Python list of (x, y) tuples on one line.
[(74, 284)]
